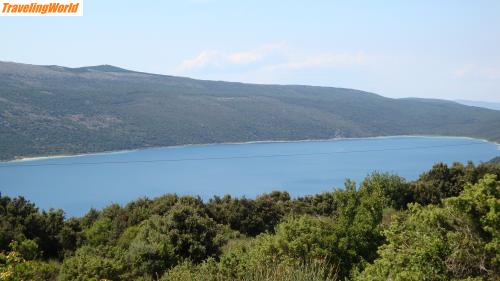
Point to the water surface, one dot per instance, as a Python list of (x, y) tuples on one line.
[(76, 184)]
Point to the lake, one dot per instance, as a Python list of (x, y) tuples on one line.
[(78, 183)]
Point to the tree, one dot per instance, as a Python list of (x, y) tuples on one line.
[(28, 249), (300, 239), (481, 203), (70, 236), (52, 222), (395, 189), (357, 226), (185, 233), (14, 267), (95, 263), (442, 181), (21, 220), (100, 233), (346, 240), (250, 217), (458, 240)]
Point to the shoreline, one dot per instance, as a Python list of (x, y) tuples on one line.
[(110, 152)]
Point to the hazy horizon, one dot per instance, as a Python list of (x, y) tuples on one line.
[(446, 50)]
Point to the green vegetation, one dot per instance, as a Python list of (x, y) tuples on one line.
[(443, 226), (47, 110)]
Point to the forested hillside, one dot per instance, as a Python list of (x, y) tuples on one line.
[(443, 226), (495, 160), (47, 110)]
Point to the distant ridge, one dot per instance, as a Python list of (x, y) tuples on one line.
[(495, 160), (98, 68), (53, 110), (434, 101), (483, 104)]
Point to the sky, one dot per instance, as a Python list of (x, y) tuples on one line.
[(429, 49)]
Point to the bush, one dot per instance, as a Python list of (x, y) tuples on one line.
[(296, 239), (13, 267), (210, 271), (183, 234), (458, 240), (92, 263), (28, 249)]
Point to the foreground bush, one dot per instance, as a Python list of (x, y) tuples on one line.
[(13, 267), (455, 241), (318, 270), (96, 263), (183, 234)]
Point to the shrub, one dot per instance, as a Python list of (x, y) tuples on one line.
[(92, 263)]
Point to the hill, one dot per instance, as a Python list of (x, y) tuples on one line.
[(47, 110), (495, 160), (489, 105)]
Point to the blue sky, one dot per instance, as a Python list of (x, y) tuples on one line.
[(432, 49)]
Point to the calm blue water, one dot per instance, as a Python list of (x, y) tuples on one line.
[(237, 169)]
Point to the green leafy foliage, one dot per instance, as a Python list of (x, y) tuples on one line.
[(453, 241), (99, 233), (443, 181), (183, 234), (14, 267), (212, 271), (248, 216), (481, 203), (357, 226), (21, 220), (28, 249), (94, 263), (394, 189), (296, 239)]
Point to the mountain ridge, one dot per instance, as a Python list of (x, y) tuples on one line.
[(48, 110), (483, 104)]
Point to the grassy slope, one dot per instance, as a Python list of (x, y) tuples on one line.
[(55, 110)]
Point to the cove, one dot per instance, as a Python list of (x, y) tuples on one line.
[(75, 184)]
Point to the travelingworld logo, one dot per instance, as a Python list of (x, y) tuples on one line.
[(41, 8)]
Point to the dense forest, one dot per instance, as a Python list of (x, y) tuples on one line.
[(49, 110), (443, 226)]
